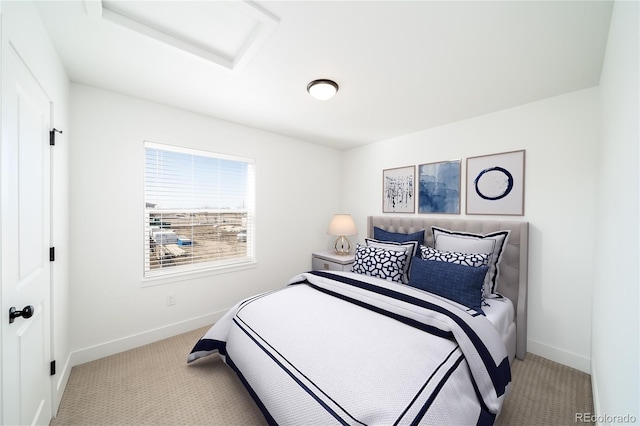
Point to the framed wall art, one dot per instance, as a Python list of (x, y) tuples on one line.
[(439, 187), (398, 190), (495, 184)]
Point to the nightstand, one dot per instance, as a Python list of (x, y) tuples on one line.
[(329, 260)]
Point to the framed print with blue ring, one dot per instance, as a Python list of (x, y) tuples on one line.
[(495, 184)]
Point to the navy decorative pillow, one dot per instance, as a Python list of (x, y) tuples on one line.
[(379, 262), (468, 259), (460, 283), (381, 234)]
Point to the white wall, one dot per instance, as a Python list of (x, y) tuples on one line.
[(297, 184), (26, 32), (560, 138), (615, 355)]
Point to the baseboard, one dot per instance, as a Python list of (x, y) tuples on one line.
[(60, 383), (560, 356), (596, 396), (102, 350), (120, 345)]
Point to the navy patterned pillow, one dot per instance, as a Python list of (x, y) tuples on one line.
[(410, 247), (379, 262), (468, 259), (460, 283)]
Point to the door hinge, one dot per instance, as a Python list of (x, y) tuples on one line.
[(52, 136), (53, 367), (52, 254)]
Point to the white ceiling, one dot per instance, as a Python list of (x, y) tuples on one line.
[(402, 66)]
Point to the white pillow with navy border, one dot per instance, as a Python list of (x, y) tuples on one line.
[(467, 242)]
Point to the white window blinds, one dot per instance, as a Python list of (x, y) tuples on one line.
[(199, 210)]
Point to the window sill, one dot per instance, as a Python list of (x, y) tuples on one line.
[(195, 274)]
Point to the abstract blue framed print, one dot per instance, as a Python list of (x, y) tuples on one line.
[(398, 192), (495, 184), (439, 187)]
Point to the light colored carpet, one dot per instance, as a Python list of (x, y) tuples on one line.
[(543, 392), (153, 385)]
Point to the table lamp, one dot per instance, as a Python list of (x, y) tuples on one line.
[(342, 225)]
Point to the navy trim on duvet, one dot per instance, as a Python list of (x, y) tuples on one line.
[(415, 398), (270, 420), (411, 322), (270, 353), (500, 374), (435, 393), (292, 371), (209, 345)]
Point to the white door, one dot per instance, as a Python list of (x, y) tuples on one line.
[(25, 235)]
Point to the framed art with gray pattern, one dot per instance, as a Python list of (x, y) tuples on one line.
[(495, 184), (398, 190)]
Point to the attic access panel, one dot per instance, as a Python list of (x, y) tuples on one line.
[(225, 33)]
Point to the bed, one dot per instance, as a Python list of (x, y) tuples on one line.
[(334, 347), (513, 277)]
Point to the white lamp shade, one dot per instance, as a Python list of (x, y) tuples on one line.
[(342, 224)]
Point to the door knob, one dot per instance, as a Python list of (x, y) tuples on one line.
[(26, 312)]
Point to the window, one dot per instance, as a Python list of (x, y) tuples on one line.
[(198, 210)]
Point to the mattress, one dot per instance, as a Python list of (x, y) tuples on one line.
[(501, 313)]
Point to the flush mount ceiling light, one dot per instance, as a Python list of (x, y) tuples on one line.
[(322, 89)]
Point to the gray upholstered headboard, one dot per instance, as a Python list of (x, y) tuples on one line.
[(512, 281)]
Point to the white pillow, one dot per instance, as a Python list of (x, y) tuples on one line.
[(466, 242)]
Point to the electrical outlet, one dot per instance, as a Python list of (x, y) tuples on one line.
[(171, 299)]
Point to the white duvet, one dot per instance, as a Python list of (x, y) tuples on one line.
[(342, 348)]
